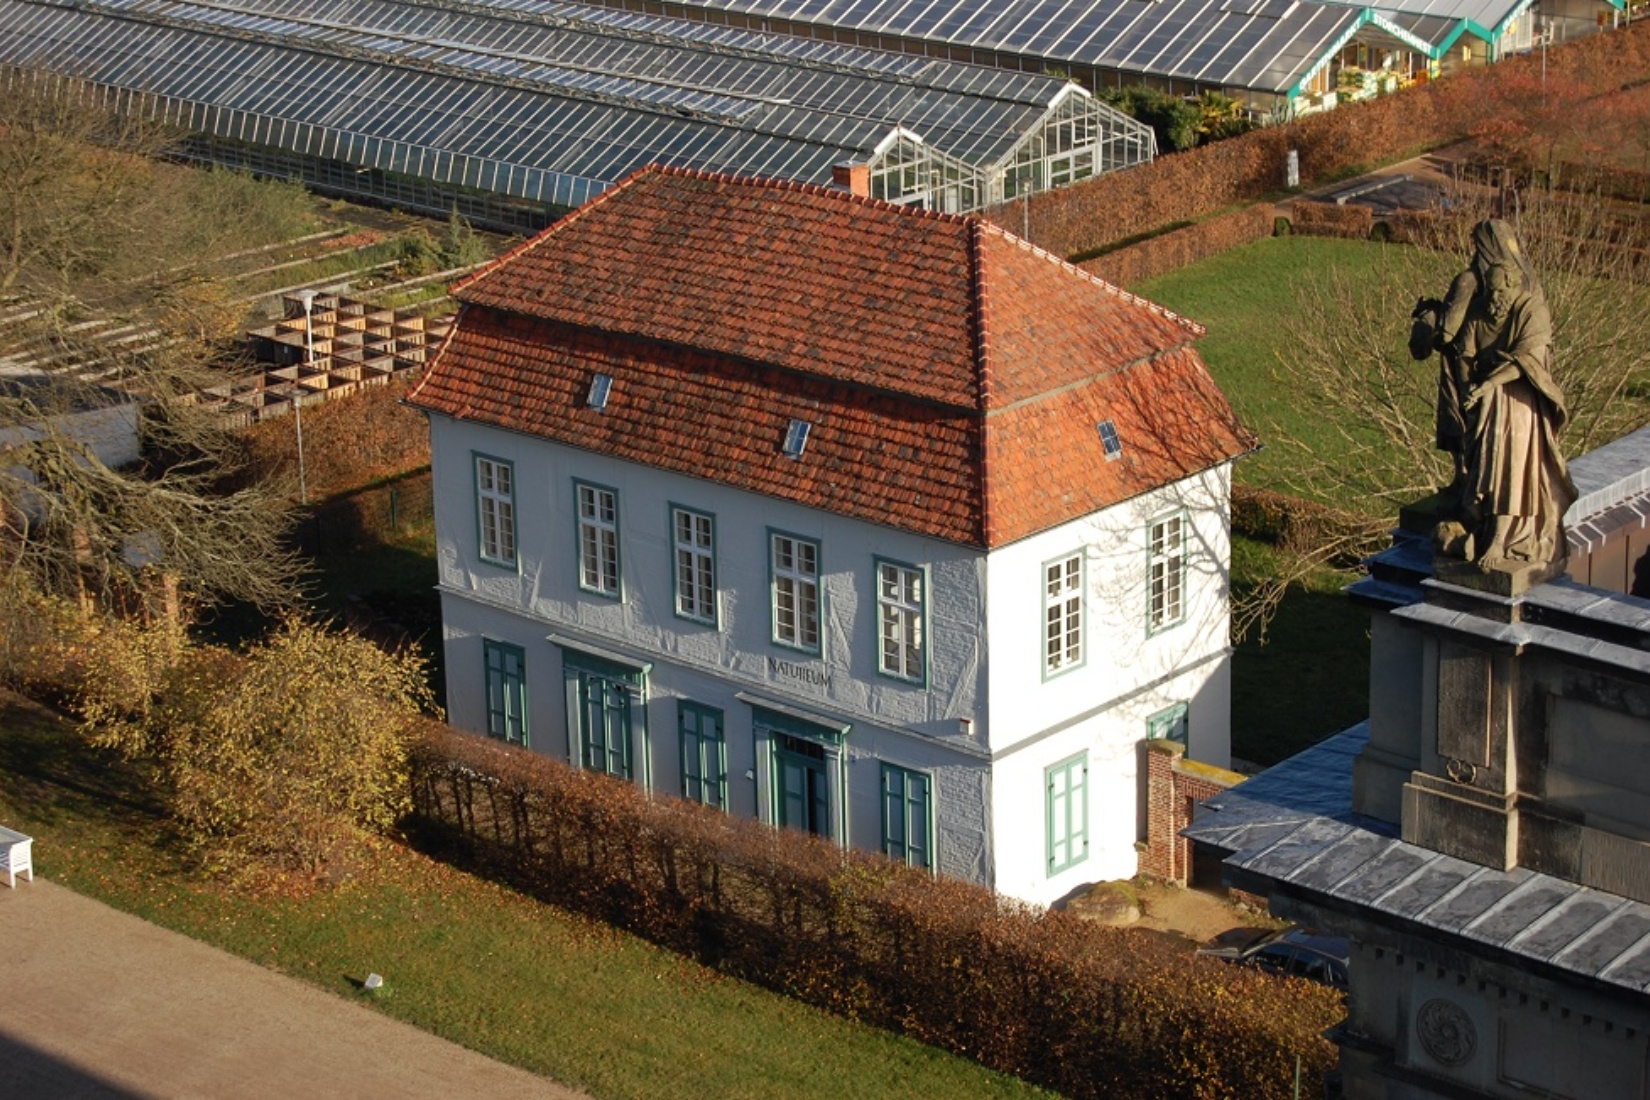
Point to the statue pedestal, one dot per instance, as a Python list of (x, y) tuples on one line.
[(1498, 578)]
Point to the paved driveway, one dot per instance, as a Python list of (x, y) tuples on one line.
[(96, 1003)]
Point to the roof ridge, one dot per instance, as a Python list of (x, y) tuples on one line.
[(772, 183), (1111, 288), (982, 365)]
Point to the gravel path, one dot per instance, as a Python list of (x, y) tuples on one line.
[(97, 1003)]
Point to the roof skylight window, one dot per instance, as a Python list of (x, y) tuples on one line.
[(796, 438), (600, 387), (1110, 440)]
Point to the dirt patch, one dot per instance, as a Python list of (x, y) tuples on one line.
[(1195, 915)]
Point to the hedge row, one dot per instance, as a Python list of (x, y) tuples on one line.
[(1328, 219), (1088, 216), (1086, 1010), (1171, 251), (367, 435), (1296, 524), (370, 516)]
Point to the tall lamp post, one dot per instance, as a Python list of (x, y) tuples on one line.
[(308, 298)]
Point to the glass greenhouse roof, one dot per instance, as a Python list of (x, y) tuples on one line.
[(544, 100)]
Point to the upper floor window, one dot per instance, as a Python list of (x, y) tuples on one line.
[(694, 538), (1063, 614), (496, 510), (1166, 553), (901, 602), (598, 539), (795, 565)]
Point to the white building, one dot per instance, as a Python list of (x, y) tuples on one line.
[(868, 521)]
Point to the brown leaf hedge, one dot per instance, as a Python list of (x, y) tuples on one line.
[(1189, 186), (1180, 248), (1088, 1011)]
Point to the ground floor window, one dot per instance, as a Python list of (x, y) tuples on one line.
[(1172, 724), (506, 676), (704, 754), (604, 712), (907, 816), (1067, 806)]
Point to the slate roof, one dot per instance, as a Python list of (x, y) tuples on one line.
[(1293, 824), (954, 374)]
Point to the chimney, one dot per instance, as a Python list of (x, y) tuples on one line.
[(853, 177)]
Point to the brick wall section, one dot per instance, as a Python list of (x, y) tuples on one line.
[(1173, 785), (1181, 247), (1182, 187)]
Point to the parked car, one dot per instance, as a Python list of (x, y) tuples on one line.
[(1297, 952)]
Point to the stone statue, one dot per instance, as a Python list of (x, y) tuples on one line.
[(1517, 486), (1438, 325)]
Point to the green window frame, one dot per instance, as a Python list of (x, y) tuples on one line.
[(902, 621), (693, 551), (794, 571), (506, 687), (1166, 572), (1067, 804), (601, 722), (598, 535), (1171, 724), (495, 491), (1063, 582), (908, 816), (704, 754)]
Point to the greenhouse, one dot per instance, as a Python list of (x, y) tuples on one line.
[(1276, 57), (512, 113)]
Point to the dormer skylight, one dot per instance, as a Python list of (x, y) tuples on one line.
[(1110, 440), (600, 386), (796, 438)]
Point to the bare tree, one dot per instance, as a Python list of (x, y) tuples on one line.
[(106, 306)]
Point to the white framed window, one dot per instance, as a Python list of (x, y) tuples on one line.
[(1062, 614), (902, 597), (795, 567), (1166, 572), (693, 536), (598, 539), (496, 510)]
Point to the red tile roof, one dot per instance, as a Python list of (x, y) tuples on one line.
[(954, 375)]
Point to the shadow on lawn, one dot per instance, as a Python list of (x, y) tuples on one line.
[(1309, 680), (53, 776)]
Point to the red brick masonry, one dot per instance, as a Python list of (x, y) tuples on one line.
[(1173, 785)]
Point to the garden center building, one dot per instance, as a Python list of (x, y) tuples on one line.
[(870, 521)]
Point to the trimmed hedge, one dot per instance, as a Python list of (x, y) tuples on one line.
[(1087, 1010), (1088, 216), (1296, 524), (1328, 219), (1171, 251)]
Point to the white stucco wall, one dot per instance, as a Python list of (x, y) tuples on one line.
[(990, 814), (1102, 707)]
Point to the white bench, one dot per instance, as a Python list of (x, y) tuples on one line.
[(16, 855)]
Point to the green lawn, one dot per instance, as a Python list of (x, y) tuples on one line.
[(517, 980), (1311, 678), (1244, 297)]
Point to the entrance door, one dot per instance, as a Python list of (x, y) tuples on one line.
[(804, 799), (604, 723)]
